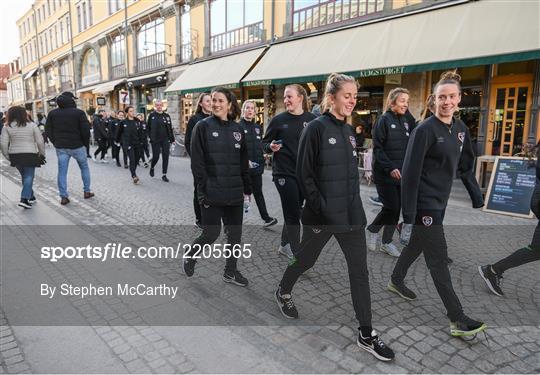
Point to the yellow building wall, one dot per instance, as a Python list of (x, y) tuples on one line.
[(267, 20), (280, 17), (197, 29), (104, 62), (170, 38), (130, 45)]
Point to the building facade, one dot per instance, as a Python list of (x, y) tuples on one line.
[(119, 52)]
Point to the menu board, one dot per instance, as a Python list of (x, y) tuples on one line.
[(511, 186)]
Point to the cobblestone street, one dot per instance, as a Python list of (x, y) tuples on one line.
[(212, 327)]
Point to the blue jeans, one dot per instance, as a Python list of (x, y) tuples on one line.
[(27, 174), (63, 155)]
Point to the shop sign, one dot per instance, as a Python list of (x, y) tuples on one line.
[(392, 79), (123, 97), (100, 101), (382, 71)]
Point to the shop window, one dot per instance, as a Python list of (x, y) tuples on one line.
[(521, 67), (90, 68), (234, 23)]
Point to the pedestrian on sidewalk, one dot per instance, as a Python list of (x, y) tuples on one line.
[(22, 145), (438, 147), (220, 165), (68, 129), (101, 135), (253, 133), (281, 140), (328, 176), (390, 140), (204, 109), (161, 137), (129, 136), (143, 130), (492, 273)]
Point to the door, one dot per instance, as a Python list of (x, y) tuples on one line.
[(509, 113)]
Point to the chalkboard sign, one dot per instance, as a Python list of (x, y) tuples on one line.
[(511, 186)]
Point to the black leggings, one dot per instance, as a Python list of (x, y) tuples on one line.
[(134, 153), (212, 216), (353, 245), (521, 256), (196, 204), (162, 147), (102, 147), (428, 237), (256, 185), (390, 196), (291, 204), (115, 151)]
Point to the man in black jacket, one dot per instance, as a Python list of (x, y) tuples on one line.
[(69, 131), (161, 137)]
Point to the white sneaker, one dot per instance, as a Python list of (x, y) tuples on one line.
[(390, 249), (286, 250), (372, 239), (103, 161), (94, 159)]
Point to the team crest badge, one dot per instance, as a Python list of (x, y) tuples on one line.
[(305, 124), (332, 141), (316, 230), (281, 181), (393, 126), (237, 136), (215, 134), (461, 136), (257, 130), (406, 124), (427, 220), (353, 141)]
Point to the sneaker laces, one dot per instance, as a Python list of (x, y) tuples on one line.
[(287, 300), (378, 341)]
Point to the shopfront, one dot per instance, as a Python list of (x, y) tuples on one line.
[(145, 90)]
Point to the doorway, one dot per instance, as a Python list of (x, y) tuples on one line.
[(509, 115)]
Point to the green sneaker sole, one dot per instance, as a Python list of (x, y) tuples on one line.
[(458, 333)]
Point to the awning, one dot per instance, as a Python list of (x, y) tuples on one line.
[(87, 89), (474, 33), (106, 87), (225, 71), (30, 73), (148, 79)]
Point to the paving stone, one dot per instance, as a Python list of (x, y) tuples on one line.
[(12, 360), (128, 356), (18, 368), (157, 363)]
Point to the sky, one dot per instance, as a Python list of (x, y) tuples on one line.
[(11, 10)]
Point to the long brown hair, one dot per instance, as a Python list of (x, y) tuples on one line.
[(429, 107), (18, 115), (235, 111), (393, 95), (300, 90), (199, 102)]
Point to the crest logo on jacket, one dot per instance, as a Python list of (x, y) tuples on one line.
[(461, 136), (406, 124), (427, 220), (393, 126), (237, 136), (215, 134), (353, 141), (305, 124), (258, 131), (332, 141)]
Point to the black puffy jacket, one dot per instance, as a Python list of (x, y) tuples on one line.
[(159, 127), (219, 162), (193, 120), (129, 133), (254, 134), (390, 139), (327, 171), (67, 126), (101, 132)]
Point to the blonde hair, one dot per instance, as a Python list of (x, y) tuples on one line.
[(334, 83), (244, 105), (393, 96), (429, 106), (300, 90)]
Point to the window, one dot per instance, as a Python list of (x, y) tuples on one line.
[(234, 23), (151, 38), (90, 68), (39, 15), (62, 33), (21, 34), (90, 13), (118, 50), (115, 5), (51, 40), (48, 7), (64, 72), (50, 77), (185, 25), (84, 16), (43, 12), (56, 35), (79, 18), (54, 6)]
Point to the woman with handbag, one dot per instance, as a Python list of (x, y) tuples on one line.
[(22, 144)]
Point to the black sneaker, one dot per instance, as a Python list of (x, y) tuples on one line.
[(164, 178), (269, 222), (189, 267), (375, 346), (118, 164), (24, 203), (32, 200), (493, 280), (466, 327), (286, 305), (235, 277), (376, 201), (401, 290), (126, 166), (198, 224), (151, 172)]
